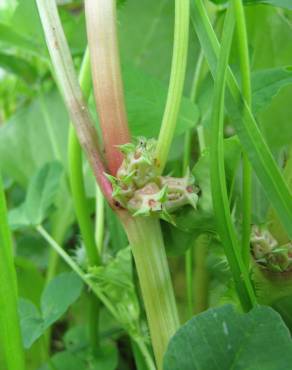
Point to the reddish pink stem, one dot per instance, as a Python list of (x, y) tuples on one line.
[(107, 81)]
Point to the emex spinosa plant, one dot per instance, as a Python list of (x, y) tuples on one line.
[(131, 177)]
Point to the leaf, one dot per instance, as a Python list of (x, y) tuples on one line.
[(246, 127), (18, 66), (145, 98), (222, 338), (106, 358), (65, 361), (266, 84), (116, 282), (59, 294), (35, 135), (40, 197), (42, 191), (31, 322), (286, 4)]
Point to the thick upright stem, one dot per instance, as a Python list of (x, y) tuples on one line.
[(176, 83), (246, 92), (68, 84), (148, 249), (10, 336), (106, 75)]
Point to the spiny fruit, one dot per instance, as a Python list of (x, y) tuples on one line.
[(140, 189)]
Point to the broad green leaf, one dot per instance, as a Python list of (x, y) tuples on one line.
[(286, 4), (248, 132), (222, 338), (60, 293), (56, 298), (13, 39), (40, 197), (145, 98), (31, 322), (42, 191), (35, 135), (30, 280), (18, 66), (146, 37), (266, 84), (278, 3)]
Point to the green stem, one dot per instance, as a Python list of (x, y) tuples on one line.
[(148, 249), (10, 334), (186, 162), (189, 279), (226, 228), (247, 95), (76, 175), (145, 353), (201, 276), (99, 220), (80, 202), (177, 76)]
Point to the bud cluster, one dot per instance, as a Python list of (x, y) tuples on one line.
[(267, 251), (140, 189)]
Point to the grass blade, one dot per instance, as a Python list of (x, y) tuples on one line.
[(10, 337), (249, 134), (218, 179)]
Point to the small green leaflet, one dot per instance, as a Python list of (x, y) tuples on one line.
[(60, 293), (222, 338), (40, 197)]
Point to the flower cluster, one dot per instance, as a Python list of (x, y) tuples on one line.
[(267, 251), (139, 188)]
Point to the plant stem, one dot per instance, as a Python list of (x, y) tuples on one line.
[(201, 276), (186, 162), (145, 353), (106, 75), (177, 76), (247, 95), (80, 203), (218, 180), (68, 84), (10, 334), (147, 245), (99, 220), (76, 175)]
